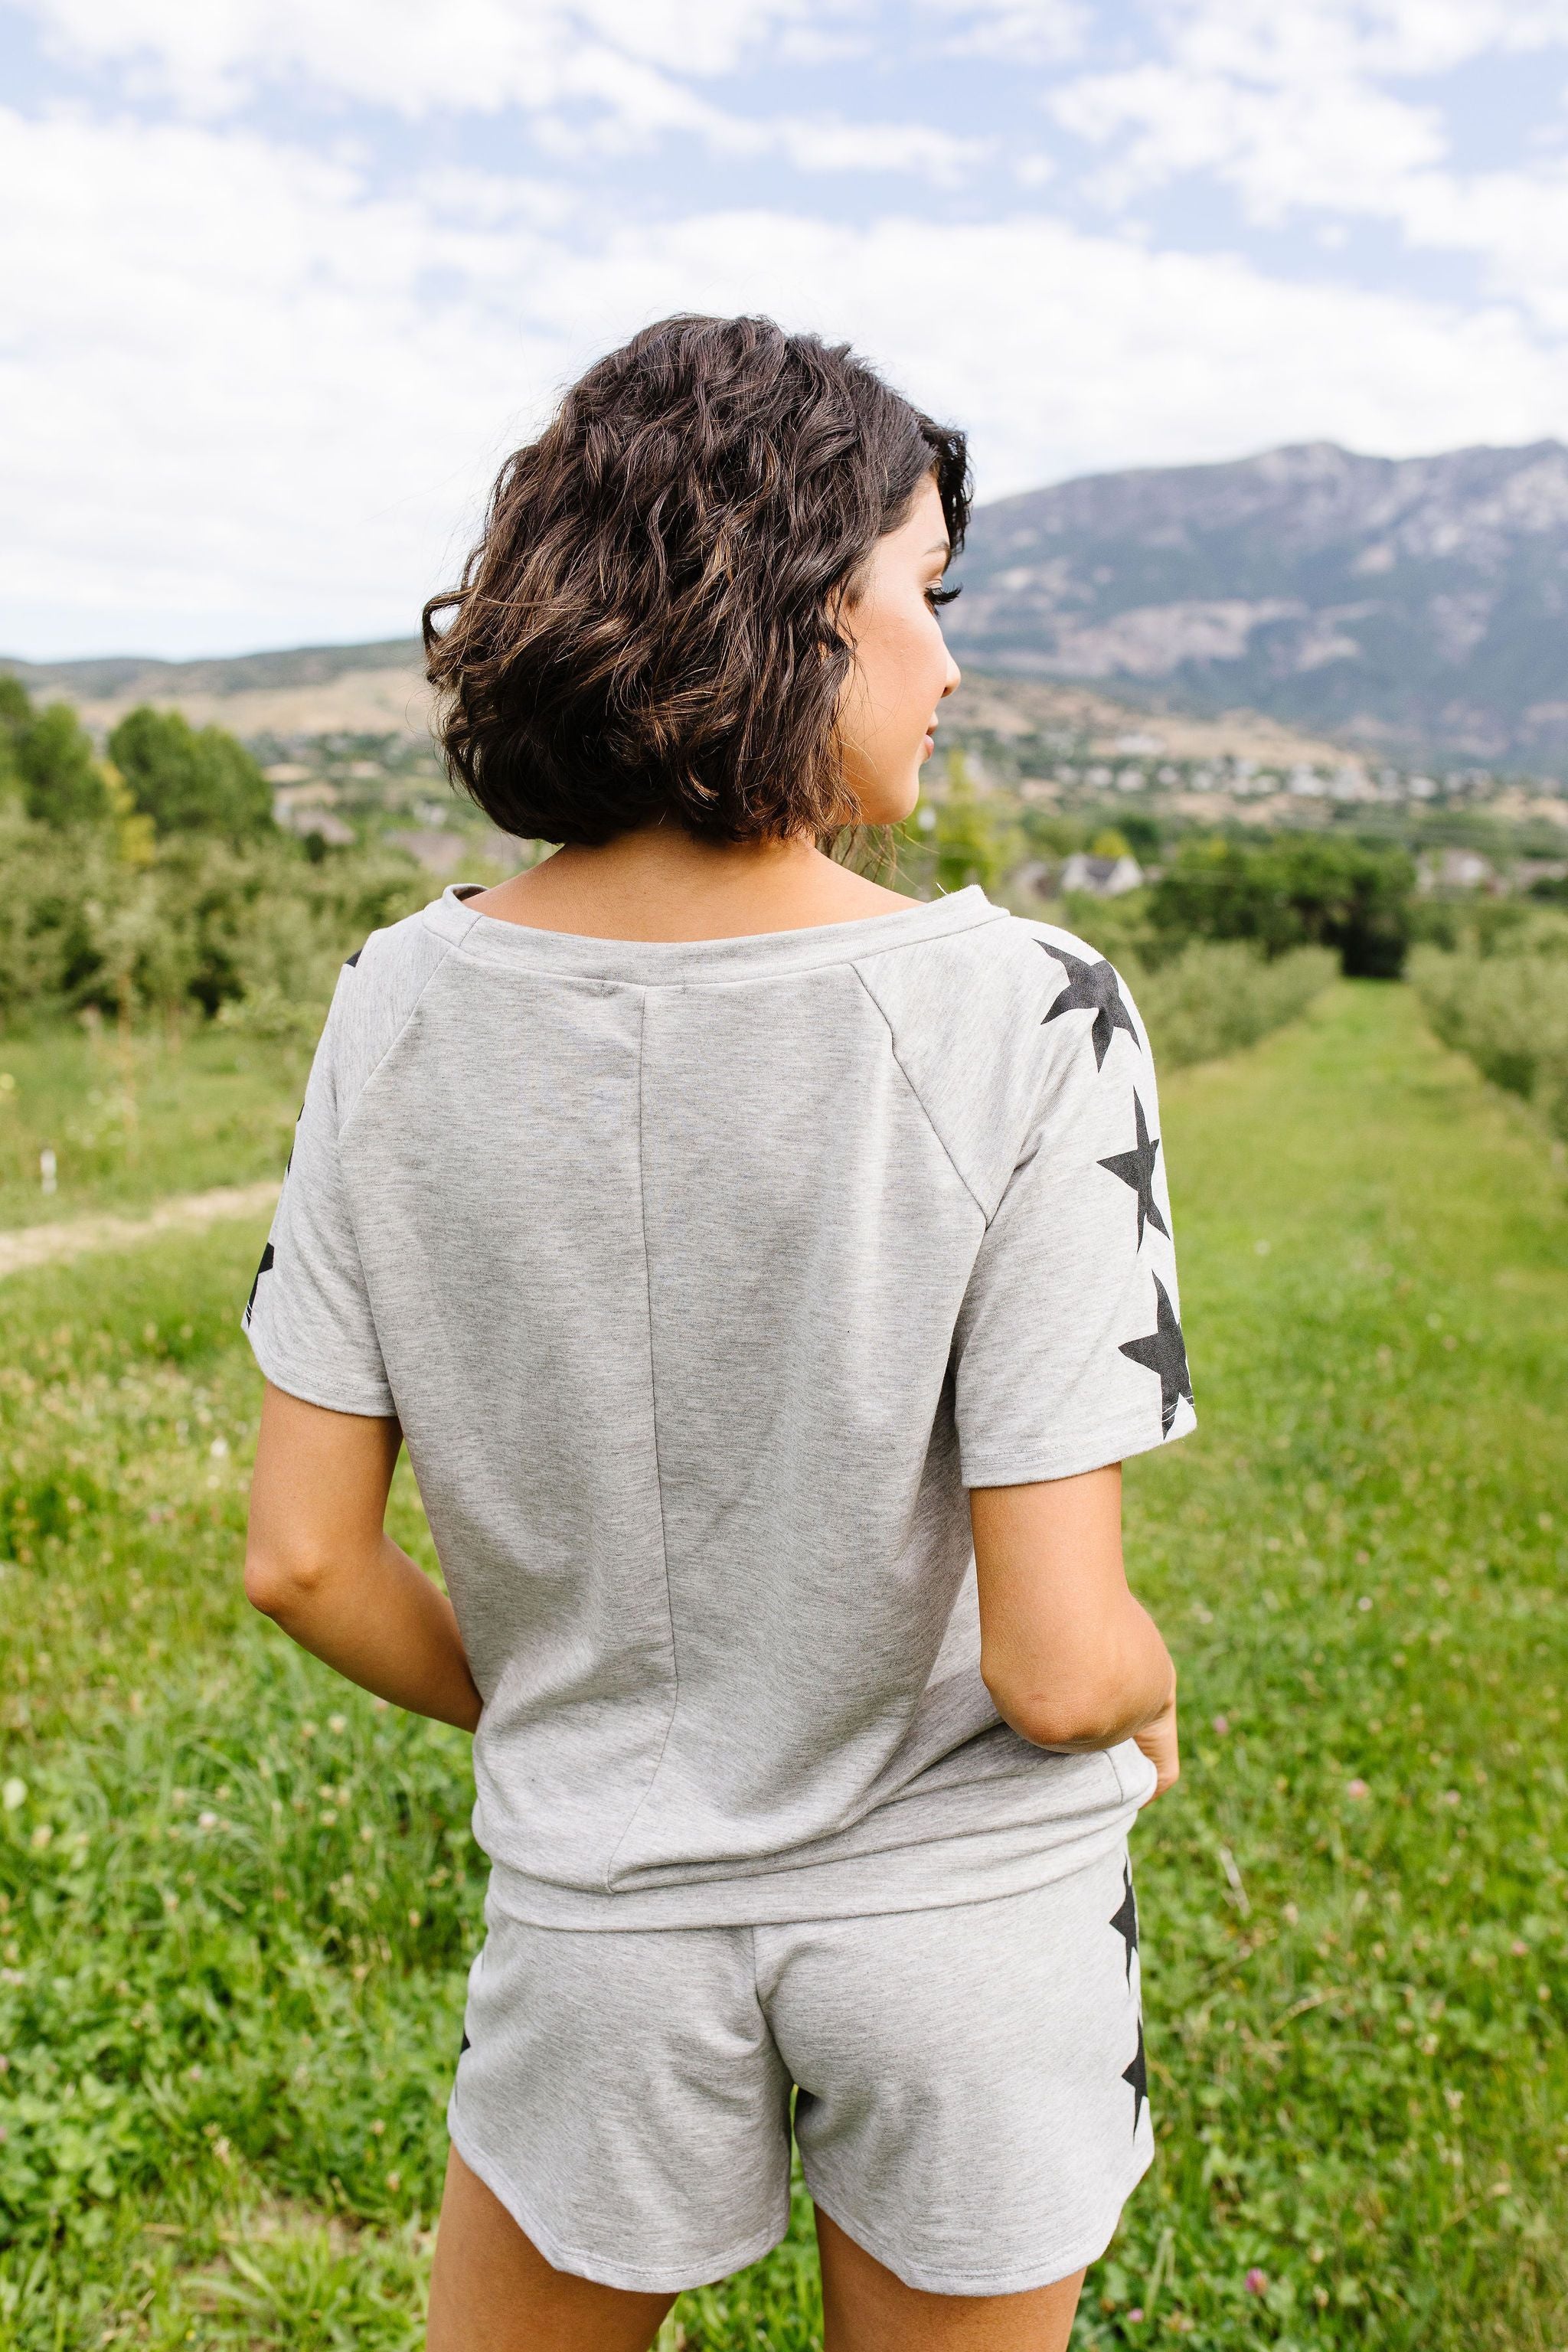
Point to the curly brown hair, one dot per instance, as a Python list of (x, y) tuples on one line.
[(648, 624)]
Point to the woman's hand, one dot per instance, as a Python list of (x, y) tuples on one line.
[(1158, 1742)]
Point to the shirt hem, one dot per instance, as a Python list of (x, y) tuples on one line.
[(851, 1887)]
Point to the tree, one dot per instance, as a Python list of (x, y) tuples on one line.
[(62, 783), (1293, 892), (188, 781), (15, 714), (15, 707), (972, 844)]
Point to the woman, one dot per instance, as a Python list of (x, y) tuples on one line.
[(768, 1274)]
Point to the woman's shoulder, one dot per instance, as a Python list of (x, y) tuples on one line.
[(380, 983)]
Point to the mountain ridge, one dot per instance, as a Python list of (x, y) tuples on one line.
[(1400, 603), (1410, 607)]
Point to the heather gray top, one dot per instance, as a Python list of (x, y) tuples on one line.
[(704, 1278)]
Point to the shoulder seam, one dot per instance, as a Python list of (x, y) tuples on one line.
[(374, 1072), (917, 1097), (982, 917)]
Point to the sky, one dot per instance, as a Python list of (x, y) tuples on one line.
[(284, 280)]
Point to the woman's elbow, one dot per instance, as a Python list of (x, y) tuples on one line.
[(282, 1584), (1059, 1719)]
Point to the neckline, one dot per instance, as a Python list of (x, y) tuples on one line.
[(581, 954)]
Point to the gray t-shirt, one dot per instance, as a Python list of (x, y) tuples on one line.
[(704, 1280)]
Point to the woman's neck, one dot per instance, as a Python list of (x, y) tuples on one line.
[(661, 883)]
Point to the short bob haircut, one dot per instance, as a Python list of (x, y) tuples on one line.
[(646, 627)]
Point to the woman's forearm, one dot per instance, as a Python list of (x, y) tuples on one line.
[(376, 1620), (1069, 1655)]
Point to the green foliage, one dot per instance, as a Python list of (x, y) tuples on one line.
[(237, 1898), (1215, 998), (1049, 834), (975, 836), (190, 780), (1291, 891), (62, 783), (206, 922), (15, 714), (1504, 1001), (1143, 834)]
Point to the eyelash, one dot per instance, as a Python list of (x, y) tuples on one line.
[(937, 596)]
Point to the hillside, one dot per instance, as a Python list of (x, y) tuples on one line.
[(1418, 605), (1410, 608), (379, 689), (369, 690)]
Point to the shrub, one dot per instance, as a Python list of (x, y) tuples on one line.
[(1507, 1008), (204, 922), (1215, 997)]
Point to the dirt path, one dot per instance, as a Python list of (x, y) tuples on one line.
[(28, 1245)]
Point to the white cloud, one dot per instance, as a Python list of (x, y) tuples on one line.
[(817, 144), (1341, 143), (1290, 108), (1030, 31), (250, 400), (479, 54), (634, 62)]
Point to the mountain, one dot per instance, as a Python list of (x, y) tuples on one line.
[(1413, 606), (308, 690), (139, 678), (1417, 603)]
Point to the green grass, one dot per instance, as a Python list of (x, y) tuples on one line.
[(237, 1899), (176, 1113)]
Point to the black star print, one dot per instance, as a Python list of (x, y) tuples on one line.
[(1164, 1351), (265, 1267), (1137, 1168), (1137, 2074), (350, 961), (1091, 988), (1125, 1919)]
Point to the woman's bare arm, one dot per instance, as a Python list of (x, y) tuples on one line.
[(319, 1563), (1070, 1657)]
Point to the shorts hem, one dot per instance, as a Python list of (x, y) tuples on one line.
[(636, 2278), (1075, 2252)]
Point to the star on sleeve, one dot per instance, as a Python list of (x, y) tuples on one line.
[(1136, 1167), (268, 1262), (1091, 988), (1164, 1351)]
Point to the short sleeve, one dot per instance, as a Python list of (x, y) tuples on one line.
[(1069, 1352), (308, 1316)]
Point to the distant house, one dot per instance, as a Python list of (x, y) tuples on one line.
[(1457, 869), (1101, 877)]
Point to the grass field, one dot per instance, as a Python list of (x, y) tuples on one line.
[(236, 1898), (168, 1113)]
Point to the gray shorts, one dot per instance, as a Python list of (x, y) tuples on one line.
[(971, 2104)]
